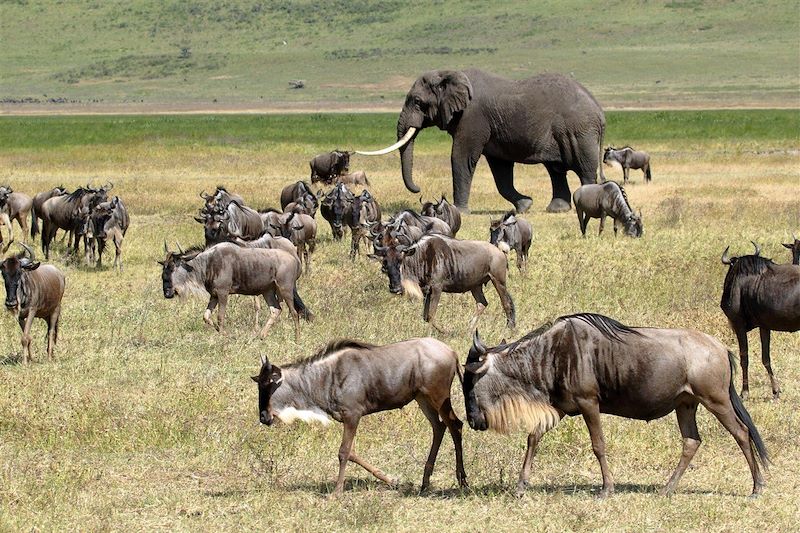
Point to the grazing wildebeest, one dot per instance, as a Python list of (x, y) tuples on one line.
[(760, 294), (794, 247), (17, 206), (328, 166), (301, 230), (225, 222), (337, 207), (347, 380), (359, 177), (443, 210), (627, 158), (227, 268), (109, 220), (437, 264), (300, 193), (68, 212), (587, 364), (366, 212), (38, 200), (33, 291), (606, 199), (512, 233)]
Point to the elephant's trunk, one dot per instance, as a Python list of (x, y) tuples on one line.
[(407, 164)]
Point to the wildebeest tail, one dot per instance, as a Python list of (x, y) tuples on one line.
[(647, 175), (741, 413), (304, 312), (34, 222)]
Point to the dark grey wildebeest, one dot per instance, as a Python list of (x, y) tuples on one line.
[(17, 206), (227, 268), (328, 166), (366, 213), (224, 223), (437, 264), (301, 230), (38, 200), (589, 364), (337, 208), (33, 291), (220, 198), (627, 158), (299, 193), (794, 247), (760, 294), (606, 199), (512, 233), (347, 380), (68, 212), (443, 210), (109, 220)]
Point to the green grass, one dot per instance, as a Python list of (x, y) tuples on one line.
[(244, 52), (147, 420)]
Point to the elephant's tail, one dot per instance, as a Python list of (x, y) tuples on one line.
[(600, 152)]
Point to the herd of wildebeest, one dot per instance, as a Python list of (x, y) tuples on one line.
[(583, 364)]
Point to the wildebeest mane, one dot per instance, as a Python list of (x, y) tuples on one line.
[(76, 194), (513, 345), (268, 210), (746, 265), (610, 328), (508, 215), (333, 346)]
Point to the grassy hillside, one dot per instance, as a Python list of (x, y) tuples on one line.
[(244, 52)]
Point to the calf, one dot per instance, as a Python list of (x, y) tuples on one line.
[(301, 230), (366, 212), (110, 221), (627, 158), (347, 380), (606, 199), (512, 233), (359, 177)]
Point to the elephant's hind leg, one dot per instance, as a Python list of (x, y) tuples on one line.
[(561, 195)]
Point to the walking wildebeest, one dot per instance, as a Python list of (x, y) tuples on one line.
[(359, 177), (437, 264), (587, 364), (443, 210), (627, 158), (366, 212), (606, 199), (794, 247), (337, 207), (512, 233), (38, 200), (17, 206), (326, 167), (301, 230), (347, 380), (33, 291), (760, 294), (109, 220), (300, 193), (227, 268)]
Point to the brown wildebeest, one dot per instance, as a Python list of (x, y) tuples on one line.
[(425, 223), (760, 294), (33, 291), (588, 364), (443, 210), (337, 207), (68, 212), (227, 268), (794, 247), (627, 158), (437, 264), (226, 222), (366, 212), (220, 198), (328, 166), (17, 206), (271, 218), (109, 220), (347, 380), (606, 199), (299, 193), (38, 200), (359, 177), (301, 230), (512, 233)]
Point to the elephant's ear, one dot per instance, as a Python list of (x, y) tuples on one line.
[(453, 91)]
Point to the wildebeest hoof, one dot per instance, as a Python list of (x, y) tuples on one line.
[(605, 493), (776, 396), (522, 488), (523, 204), (557, 205), (745, 394)]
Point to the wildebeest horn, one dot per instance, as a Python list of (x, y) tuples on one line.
[(477, 343), (758, 250), (793, 237), (726, 260), (166, 249), (263, 359), (180, 248), (108, 186), (379, 248), (28, 250)]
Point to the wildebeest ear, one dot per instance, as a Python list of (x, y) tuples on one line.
[(411, 250), (789, 246), (200, 220), (254, 378), (474, 366), (374, 257), (162, 263), (511, 220), (31, 266)]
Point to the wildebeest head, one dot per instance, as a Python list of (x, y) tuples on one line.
[(176, 270), (102, 215), (268, 379), (474, 370), (391, 258), (607, 153), (288, 226), (498, 231), (739, 268), (632, 224), (5, 192), (12, 269), (214, 223), (795, 249), (337, 202)]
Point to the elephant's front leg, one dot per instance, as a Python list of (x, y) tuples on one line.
[(561, 195), (503, 172), (463, 160)]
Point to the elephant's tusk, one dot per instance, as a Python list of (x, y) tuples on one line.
[(407, 137)]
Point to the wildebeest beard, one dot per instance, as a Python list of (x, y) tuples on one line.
[(187, 283)]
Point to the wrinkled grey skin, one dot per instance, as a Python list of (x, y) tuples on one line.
[(628, 158), (512, 233), (549, 119), (606, 199), (327, 167)]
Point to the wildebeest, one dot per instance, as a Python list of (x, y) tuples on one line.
[(512, 233), (227, 268), (425, 223), (437, 264), (760, 294), (606, 199), (223, 222), (38, 200), (794, 247), (359, 177), (33, 291), (337, 208), (366, 212), (220, 198), (347, 380), (443, 210), (627, 158), (301, 230), (68, 212), (17, 206), (384, 234), (269, 219), (300, 193), (587, 364), (109, 220), (326, 167)]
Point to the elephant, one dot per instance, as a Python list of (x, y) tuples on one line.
[(550, 119)]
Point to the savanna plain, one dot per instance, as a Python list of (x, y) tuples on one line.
[(148, 420)]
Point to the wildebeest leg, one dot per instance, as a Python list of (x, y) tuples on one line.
[(348, 435), (287, 295), (223, 304), (52, 331), (257, 308), (583, 220), (591, 415), (776, 389), (602, 222), (687, 422), (118, 252), (480, 306), (274, 310), (530, 452), (744, 361), (212, 303), (505, 299), (25, 324), (371, 469), (429, 309), (454, 426), (625, 172), (438, 432)]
